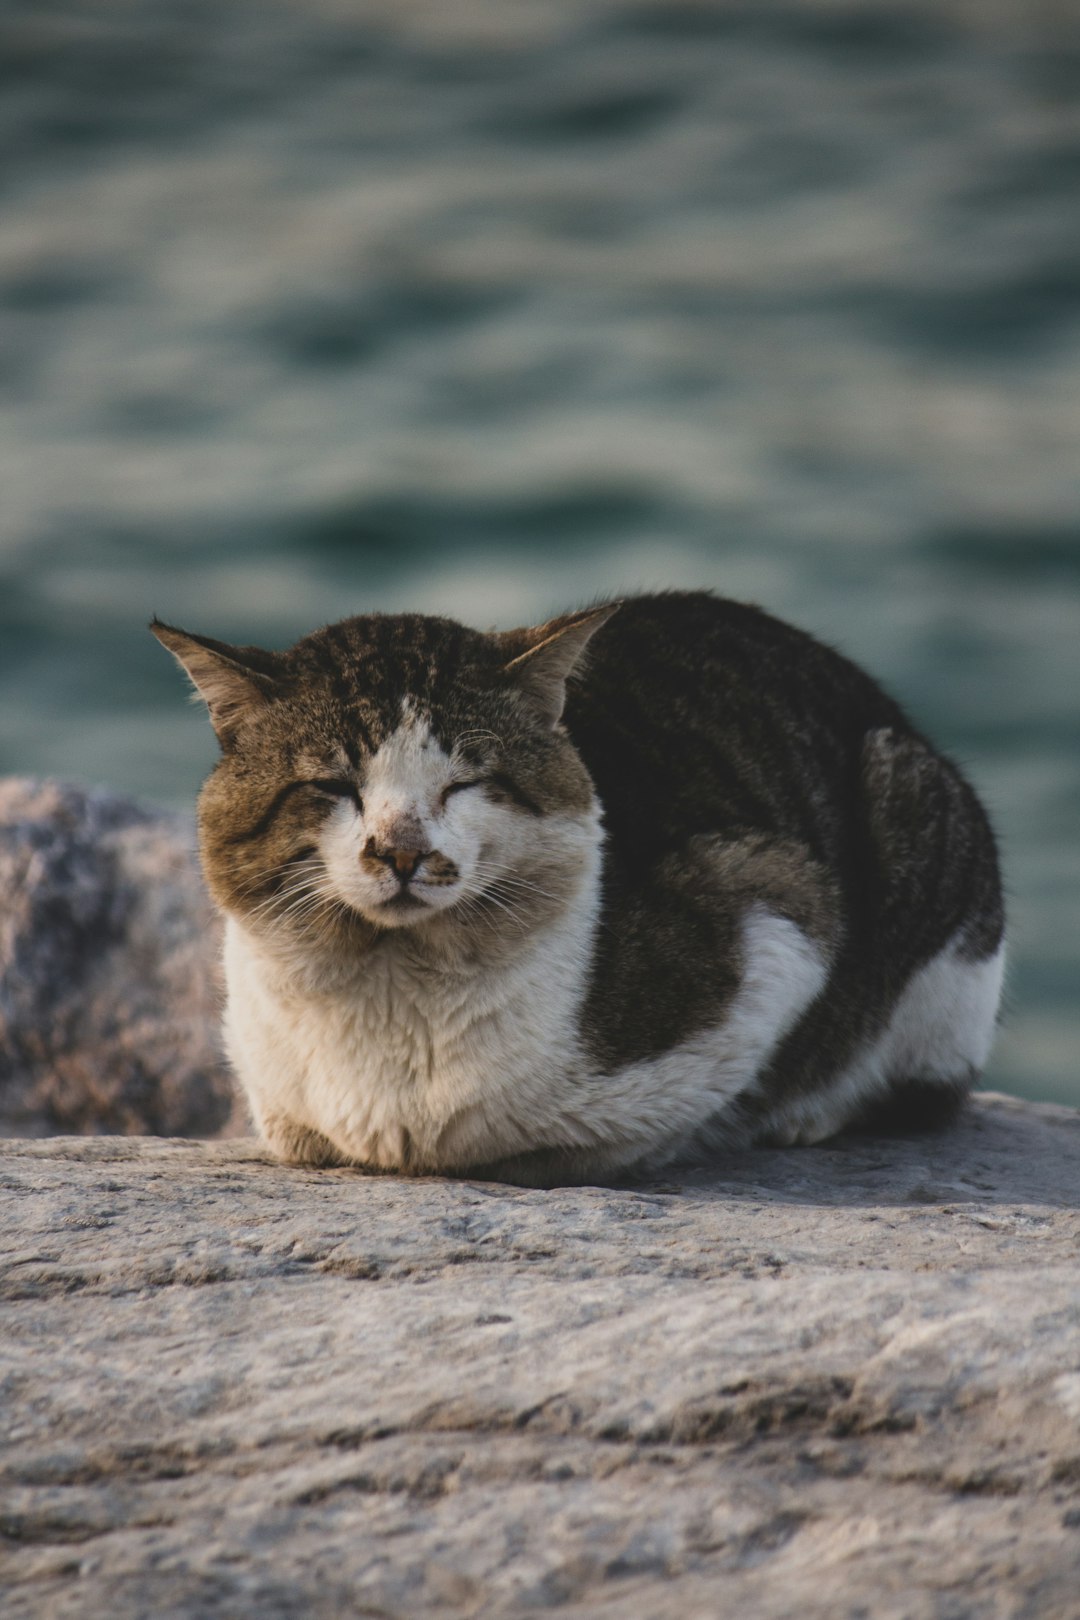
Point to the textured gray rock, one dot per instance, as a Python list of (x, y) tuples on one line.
[(108, 969), (840, 1381)]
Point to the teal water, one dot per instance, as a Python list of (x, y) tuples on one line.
[(486, 309)]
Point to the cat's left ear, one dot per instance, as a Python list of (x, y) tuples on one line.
[(552, 651), (233, 682)]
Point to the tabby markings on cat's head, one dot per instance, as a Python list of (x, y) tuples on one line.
[(387, 771)]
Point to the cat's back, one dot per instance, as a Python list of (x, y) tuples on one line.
[(775, 824), (696, 714)]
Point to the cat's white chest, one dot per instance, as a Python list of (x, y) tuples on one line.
[(403, 1065)]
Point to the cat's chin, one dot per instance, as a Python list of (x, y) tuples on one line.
[(401, 911)]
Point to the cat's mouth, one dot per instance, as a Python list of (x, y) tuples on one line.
[(403, 902)]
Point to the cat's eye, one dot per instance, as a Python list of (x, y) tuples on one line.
[(338, 789), (459, 787)]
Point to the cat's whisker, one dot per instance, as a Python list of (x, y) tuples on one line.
[(476, 912), (471, 906), (280, 896), (282, 891), (305, 866), (303, 906), (506, 898), (523, 901), (524, 886), (505, 876), (298, 903), (503, 905)]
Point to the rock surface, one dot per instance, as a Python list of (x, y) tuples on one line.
[(842, 1381), (108, 969)]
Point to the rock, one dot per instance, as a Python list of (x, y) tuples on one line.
[(108, 969), (839, 1381)]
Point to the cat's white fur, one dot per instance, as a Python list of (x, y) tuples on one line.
[(459, 1056), (419, 1051), (481, 1067), (941, 1029), (403, 785)]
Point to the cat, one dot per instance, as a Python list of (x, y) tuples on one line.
[(657, 878)]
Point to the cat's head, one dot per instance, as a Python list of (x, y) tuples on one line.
[(392, 772)]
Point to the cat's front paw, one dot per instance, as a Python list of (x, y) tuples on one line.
[(298, 1144)]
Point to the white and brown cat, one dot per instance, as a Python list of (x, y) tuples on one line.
[(651, 879)]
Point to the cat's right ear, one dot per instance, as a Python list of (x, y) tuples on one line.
[(233, 682), (551, 652)]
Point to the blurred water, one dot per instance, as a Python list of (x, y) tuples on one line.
[(484, 309)]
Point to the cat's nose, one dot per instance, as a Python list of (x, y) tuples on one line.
[(403, 861)]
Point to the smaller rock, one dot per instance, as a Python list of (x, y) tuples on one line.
[(109, 979)]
